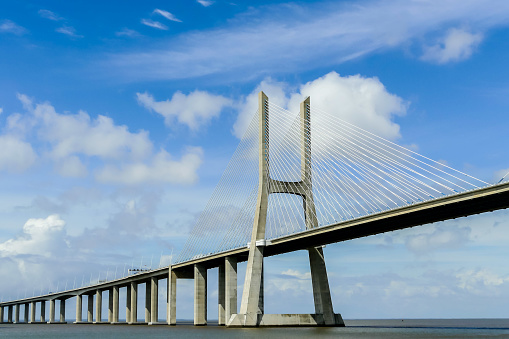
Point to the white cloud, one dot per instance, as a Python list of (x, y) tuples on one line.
[(71, 134), (194, 110), (127, 33), (457, 45), (205, 3), (166, 14), (74, 140), (442, 237), (47, 14), (71, 167), (364, 102), (16, 155), (297, 274), (39, 237), (69, 31), (309, 36), (8, 26), (1, 110), (162, 169), (154, 24), (477, 280)]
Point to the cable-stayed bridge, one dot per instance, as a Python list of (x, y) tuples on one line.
[(295, 182)]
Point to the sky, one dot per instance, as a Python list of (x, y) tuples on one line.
[(118, 118)]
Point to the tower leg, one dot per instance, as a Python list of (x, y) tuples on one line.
[(321, 291)]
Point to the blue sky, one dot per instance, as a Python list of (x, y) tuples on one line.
[(117, 119)]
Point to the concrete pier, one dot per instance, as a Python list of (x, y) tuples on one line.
[(221, 301), (90, 308), (9, 314), (115, 304), (16, 313), (134, 303), (230, 273), (27, 313), (1, 314), (79, 308), (32, 312), (43, 311), (154, 300), (148, 299), (51, 311), (110, 305), (128, 304), (98, 306), (171, 314), (62, 310), (200, 295)]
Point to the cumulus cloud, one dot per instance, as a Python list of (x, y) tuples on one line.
[(364, 102), (74, 140), (17, 155), (154, 24), (194, 110), (166, 14), (70, 134), (47, 14), (40, 237), (455, 46), (161, 169), (8, 26)]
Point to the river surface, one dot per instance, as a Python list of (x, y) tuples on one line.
[(355, 329)]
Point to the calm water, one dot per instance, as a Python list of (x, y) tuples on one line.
[(358, 329)]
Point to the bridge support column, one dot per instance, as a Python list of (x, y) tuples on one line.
[(1, 314), (43, 311), (134, 303), (110, 305), (32, 312), (171, 314), (154, 294), (200, 295), (27, 312), (90, 308), (9, 314), (221, 296), (98, 306), (148, 299), (128, 304), (230, 290), (115, 304), (16, 313), (79, 300), (62, 310), (51, 311)]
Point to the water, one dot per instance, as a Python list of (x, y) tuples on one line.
[(356, 329)]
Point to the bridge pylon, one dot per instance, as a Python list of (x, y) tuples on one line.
[(252, 309)]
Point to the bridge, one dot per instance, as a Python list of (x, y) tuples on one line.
[(281, 196)]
